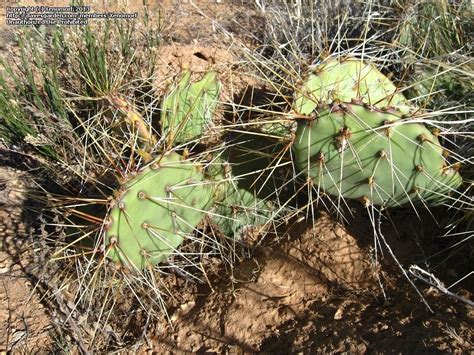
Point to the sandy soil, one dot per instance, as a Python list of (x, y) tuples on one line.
[(316, 289)]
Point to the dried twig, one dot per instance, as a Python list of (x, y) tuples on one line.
[(404, 272), (432, 280)]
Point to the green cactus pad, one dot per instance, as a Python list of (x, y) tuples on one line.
[(155, 210), (345, 81), (189, 107), (356, 152), (237, 208)]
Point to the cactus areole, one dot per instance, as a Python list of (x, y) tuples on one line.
[(357, 148), (155, 210)]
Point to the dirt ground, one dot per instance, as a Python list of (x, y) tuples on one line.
[(315, 289)]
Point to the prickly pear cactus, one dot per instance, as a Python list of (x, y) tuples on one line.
[(239, 211), (345, 80), (189, 108), (359, 152), (155, 210), (236, 208)]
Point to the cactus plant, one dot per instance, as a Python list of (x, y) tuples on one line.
[(365, 153), (236, 208), (356, 140), (239, 209), (155, 210), (188, 108), (344, 80)]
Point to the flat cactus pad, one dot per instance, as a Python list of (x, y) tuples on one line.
[(359, 152), (155, 210)]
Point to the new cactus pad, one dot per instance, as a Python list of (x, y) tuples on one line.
[(345, 80), (236, 207), (189, 108), (155, 210), (239, 209)]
